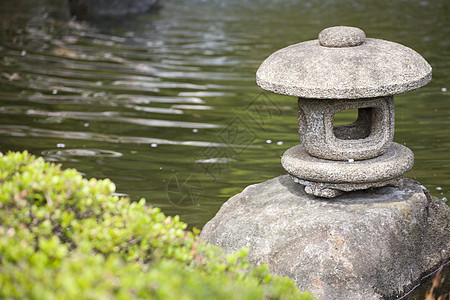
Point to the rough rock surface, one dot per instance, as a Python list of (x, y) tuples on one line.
[(361, 245)]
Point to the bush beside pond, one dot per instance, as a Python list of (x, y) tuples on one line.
[(65, 237)]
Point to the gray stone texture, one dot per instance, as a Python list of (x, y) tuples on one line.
[(344, 70), (361, 245), (369, 136), (375, 68), (330, 190), (341, 36), (320, 174)]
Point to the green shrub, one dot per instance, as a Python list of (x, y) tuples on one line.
[(66, 237)]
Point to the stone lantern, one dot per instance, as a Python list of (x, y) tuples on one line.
[(371, 244), (344, 70)]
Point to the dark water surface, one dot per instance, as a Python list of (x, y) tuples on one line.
[(166, 105)]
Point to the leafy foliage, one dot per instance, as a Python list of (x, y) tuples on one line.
[(65, 237)]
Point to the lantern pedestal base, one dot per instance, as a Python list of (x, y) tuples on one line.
[(371, 244), (328, 178), (331, 190)]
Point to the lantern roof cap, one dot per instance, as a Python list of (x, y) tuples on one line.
[(343, 64)]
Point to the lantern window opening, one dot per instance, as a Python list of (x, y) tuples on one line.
[(359, 129)]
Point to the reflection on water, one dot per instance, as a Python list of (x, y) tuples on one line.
[(175, 87), (71, 154), (166, 105)]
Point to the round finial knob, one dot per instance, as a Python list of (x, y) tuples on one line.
[(341, 36)]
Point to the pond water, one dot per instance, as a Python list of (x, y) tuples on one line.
[(166, 105)]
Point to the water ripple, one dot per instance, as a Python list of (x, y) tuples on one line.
[(108, 116), (24, 131), (62, 155)]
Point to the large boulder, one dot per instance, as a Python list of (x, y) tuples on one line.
[(360, 245)]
